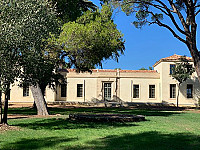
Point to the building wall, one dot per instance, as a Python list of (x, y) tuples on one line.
[(166, 79), (16, 95), (126, 90), (121, 87)]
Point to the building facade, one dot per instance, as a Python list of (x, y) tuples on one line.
[(136, 86)]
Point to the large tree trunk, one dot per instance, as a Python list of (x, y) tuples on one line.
[(196, 59), (192, 43), (5, 113), (39, 100)]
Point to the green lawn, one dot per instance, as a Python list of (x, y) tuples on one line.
[(163, 130)]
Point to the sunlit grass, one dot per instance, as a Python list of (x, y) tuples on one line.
[(162, 130)]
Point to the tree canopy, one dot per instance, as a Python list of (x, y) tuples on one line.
[(93, 37), (70, 10), (182, 71), (25, 26)]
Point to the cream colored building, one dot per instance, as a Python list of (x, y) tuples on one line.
[(136, 86)]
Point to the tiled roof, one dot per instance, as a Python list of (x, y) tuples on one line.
[(174, 57), (114, 70)]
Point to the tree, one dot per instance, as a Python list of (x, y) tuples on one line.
[(25, 27), (150, 68), (143, 68), (93, 37), (9, 54), (181, 72), (70, 10), (181, 13), (42, 69), (9, 70)]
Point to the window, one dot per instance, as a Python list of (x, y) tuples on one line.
[(172, 90), (171, 68), (25, 90), (63, 90), (79, 90), (107, 91), (135, 91), (189, 91), (151, 91)]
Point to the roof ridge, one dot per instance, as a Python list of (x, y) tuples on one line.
[(174, 58)]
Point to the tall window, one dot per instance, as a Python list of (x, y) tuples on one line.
[(63, 90), (79, 90), (189, 91), (25, 90), (172, 90), (151, 91), (107, 91), (135, 91), (171, 68)]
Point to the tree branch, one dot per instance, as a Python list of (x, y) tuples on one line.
[(181, 18), (169, 28), (163, 9), (197, 12)]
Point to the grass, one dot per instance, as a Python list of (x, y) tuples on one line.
[(163, 130)]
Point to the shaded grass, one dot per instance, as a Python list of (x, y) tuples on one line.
[(145, 141), (66, 111), (164, 130), (61, 123), (36, 143)]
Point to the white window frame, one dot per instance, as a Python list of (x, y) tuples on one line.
[(133, 91), (154, 91), (172, 92), (77, 95), (109, 88)]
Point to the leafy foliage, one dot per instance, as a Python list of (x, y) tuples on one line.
[(182, 71), (26, 24), (93, 37), (150, 68), (70, 10)]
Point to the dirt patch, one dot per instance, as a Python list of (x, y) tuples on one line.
[(4, 128), (193, 110), (18, 116)]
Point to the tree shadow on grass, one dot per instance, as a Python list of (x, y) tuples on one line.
[(61, 123), (27, 144), (23, 111), (66, 111), (146, 112), (144, 141)]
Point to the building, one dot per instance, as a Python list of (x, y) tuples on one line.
[(137, 86)]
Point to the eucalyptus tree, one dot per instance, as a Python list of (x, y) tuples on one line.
[(181, 15), (181, 72)]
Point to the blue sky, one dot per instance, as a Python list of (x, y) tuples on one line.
[(143, 46)]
